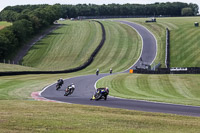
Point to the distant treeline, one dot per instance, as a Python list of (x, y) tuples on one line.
[(30, 19)]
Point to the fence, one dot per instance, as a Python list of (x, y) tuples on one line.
[(189, 70), (167, 52)]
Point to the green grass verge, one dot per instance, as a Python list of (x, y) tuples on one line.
[(67, 47), (13, 67), (21, 87), (4, 24), (33, 116), (178, 89)]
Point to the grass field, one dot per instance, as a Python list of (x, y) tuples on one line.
[(67, 47), (179, 89), (12, 67), (4, 24), (184, 43), (33, 116)]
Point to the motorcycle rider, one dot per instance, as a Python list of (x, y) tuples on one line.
[(60, 82), (99, 90), (110, 70), (107, 91), (71, 87), (97, 72)]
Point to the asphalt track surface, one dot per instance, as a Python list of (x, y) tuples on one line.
[(85, 86)]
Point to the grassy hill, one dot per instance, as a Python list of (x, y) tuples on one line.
[(71, 45), (184, 44), (67, 47), (121, 49)]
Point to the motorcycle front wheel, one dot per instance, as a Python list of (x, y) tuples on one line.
[(67, 92)]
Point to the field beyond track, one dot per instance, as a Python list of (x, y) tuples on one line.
[(184, 42)]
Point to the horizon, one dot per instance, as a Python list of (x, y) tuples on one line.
[(75, 2)]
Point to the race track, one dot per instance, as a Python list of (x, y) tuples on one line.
[(85, 86)]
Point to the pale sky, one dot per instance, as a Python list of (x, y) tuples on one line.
[(4, 3)]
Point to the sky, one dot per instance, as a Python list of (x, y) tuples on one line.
[(4, 3)]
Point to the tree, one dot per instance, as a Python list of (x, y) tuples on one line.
[(9, 15), (195, 8), (3, 45), (22, 29), (187, 12)]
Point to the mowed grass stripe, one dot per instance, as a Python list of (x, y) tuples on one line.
[(178, 89), (155, 85), (121, 49), (67, 47), (183, 87), (180, 36), (188, 51), (184, 42), (108, 53)]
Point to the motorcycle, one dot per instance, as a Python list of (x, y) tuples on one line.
[(69, 91), (58, 86), (101, 93)]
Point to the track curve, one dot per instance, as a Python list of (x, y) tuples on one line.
[(85, 86)]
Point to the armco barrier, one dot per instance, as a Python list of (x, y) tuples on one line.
[(190, 70), (146, 71), (167, 52), (87, 63)]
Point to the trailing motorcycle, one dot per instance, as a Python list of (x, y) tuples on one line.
[(101, 93)]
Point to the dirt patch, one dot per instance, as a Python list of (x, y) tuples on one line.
[(1, 27)]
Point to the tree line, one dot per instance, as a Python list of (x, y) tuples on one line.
[(28, 20)]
